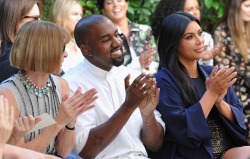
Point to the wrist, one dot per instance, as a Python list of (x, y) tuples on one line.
[(69, 128)]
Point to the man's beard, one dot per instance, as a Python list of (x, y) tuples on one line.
[(118, 62)]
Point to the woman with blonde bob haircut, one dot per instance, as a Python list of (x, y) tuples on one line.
[(66, 13), (38, 51)]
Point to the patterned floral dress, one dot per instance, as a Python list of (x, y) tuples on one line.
[(141, 39), (231, 56)]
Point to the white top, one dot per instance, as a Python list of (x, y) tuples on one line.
[(135, 63), (111, 93), (209, 41), (72, 59)]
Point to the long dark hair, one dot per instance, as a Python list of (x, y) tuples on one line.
[(171, 31), (163, 9)]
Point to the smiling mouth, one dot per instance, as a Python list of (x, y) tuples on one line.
[(117, 51)]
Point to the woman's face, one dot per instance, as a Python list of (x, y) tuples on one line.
[(34, 14), (245, 10), (115, 9), (75, 14), (191, 44), (192, 7)]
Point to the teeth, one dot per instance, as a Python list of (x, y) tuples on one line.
[(117, 10), (116, 52)]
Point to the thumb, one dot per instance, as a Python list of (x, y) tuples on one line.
[(37, 120), (126, 81), (66, 96)]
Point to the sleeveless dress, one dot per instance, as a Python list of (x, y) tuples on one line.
[(31, 104)]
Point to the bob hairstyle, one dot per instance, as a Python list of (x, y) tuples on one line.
[(60, 10), (100, 3), (39, 46), (171, 32)]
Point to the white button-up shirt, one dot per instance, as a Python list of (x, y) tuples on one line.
[(110, 87)]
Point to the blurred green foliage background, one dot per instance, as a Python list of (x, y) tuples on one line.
[(140, 11)]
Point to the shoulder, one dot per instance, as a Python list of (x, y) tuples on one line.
[(139, 27), (63, 85), (208, 69), (164, 75)]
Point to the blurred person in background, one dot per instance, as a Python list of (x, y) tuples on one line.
[(139, 46), (66, 13), (14, 13), (232, 36)]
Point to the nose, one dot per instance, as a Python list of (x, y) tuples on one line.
[(200, 40), (65, 54), (116, 41), (196, 13)]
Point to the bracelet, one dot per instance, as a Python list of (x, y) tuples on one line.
[(69, 128)]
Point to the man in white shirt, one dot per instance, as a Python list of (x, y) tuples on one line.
[(124, 120)]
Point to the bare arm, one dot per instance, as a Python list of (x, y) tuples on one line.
[(70, 110), (217, 84), (14, 152), (152, 132), (98, 137)]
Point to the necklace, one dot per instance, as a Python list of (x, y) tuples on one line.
[(32, 88)]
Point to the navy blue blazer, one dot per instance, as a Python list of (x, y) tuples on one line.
[(187, 132)]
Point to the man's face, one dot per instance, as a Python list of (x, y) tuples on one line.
[(104, 45)]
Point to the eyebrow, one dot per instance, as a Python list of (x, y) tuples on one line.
[(192, 33), (107, 35)]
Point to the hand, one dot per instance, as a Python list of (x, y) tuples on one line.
[(220, 80), (151, 101), (146, 58), (72, 107), (21, 127), (220, 98), (139, 90), (6, 120), (209, 53)]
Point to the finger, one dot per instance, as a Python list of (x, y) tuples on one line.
[(222, 71), (231, 76), (26, 123), (74, 100), (214, 71), (126, 81), (31, 122), (137, 80), (157, 94), (84, 108), (65, 97), (17, 125), (145, 83), (90, 93), (232, 82), (229, 71), (37, 120), (78, 90), (91, 100)]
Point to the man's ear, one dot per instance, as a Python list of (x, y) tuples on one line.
[(86, 51)]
